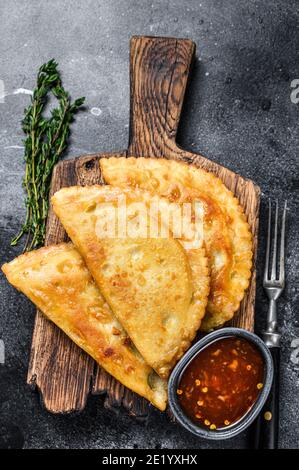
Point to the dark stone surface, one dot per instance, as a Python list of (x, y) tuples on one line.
[(238, 111)]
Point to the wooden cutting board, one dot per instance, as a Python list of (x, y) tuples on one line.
[(159, 70)]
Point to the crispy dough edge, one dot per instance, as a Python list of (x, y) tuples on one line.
[(10, 269), (216, 185), (194, 327), (67, 195)]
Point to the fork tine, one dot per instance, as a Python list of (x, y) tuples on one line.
[(273, 269), (266, 271), (282, 244)]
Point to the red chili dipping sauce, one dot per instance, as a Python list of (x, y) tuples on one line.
[(222, 382)]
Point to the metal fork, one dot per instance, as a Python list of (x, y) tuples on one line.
[(274, 283), (267, 428)]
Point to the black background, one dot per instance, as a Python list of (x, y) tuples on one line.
[(238, 112)]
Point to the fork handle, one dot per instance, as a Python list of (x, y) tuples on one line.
[(266, 430)]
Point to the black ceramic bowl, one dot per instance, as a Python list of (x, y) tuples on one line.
[(250, 416)]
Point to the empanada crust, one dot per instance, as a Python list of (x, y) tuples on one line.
[(227, 236), (156, 289), (57, 281)]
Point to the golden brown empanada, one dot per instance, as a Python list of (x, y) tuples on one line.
[(227, 236), (57, 280), (157, 290)]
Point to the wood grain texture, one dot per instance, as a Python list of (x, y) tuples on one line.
[(87, 171), (159, 70), (58, 368), (158, 77)]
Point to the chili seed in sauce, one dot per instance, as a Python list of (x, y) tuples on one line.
[(230, 374)]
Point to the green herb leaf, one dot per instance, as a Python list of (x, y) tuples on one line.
[(47, 139)]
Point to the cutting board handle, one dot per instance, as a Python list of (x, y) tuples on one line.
[(159, 69)]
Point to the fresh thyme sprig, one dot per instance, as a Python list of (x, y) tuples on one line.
[(46, 140)]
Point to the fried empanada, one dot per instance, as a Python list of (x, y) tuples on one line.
[(57, 280), (156, 288), (227, 236)]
